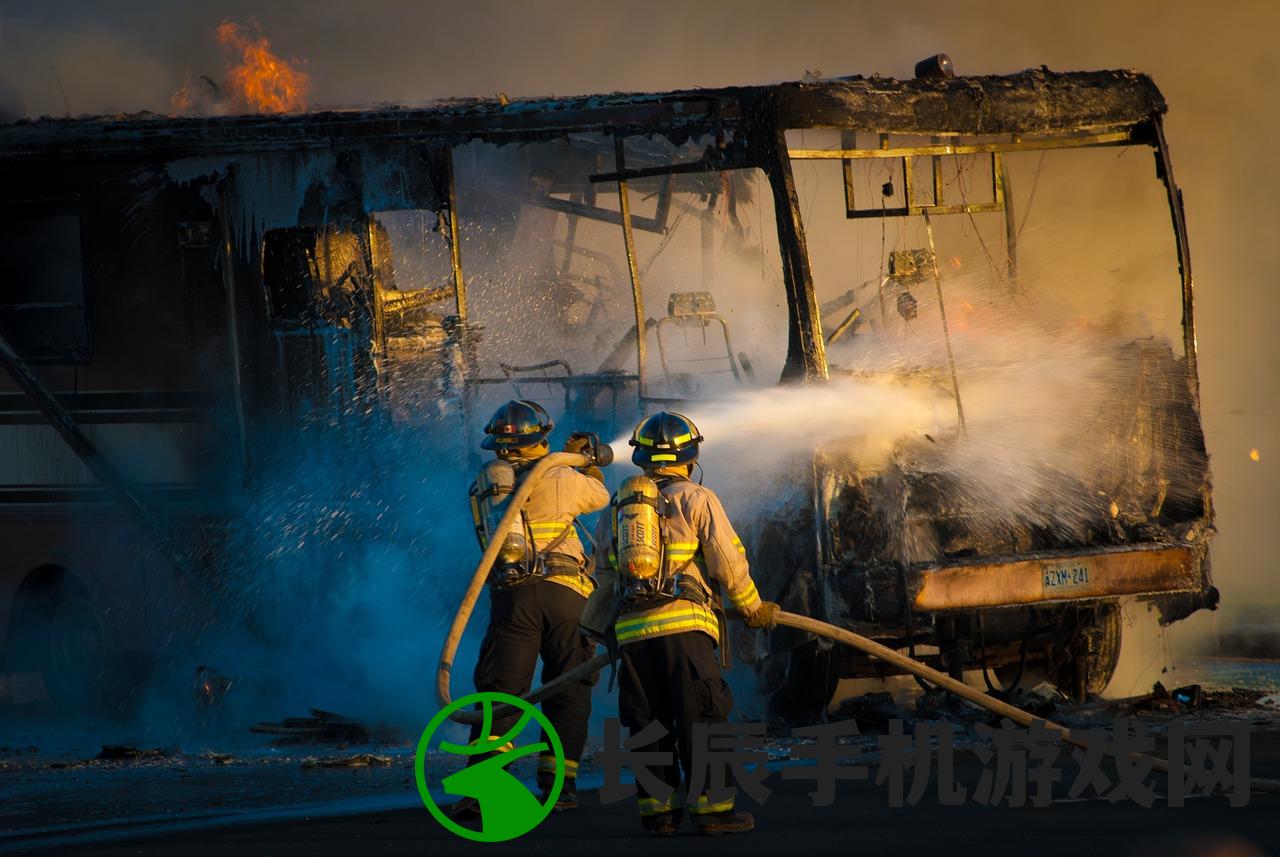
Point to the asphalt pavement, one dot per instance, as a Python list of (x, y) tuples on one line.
[(859, 821)]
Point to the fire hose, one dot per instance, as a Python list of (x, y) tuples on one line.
[(783, 618), (477, 584)]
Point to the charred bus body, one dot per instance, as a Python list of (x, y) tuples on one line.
[(190, 302)]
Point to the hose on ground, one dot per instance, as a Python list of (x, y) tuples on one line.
[(964, 691)]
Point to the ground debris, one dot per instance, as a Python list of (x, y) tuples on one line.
[(125, 753), (938, 704), (871, 711), (1041, 700), (324, 727), (1236, 697), (359, 760)]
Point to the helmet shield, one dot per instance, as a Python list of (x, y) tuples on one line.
[(665, 438), (517, 424)]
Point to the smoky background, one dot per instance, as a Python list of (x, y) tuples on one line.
[(1215, 67)]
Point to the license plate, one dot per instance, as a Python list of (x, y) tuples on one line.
[(1064, 578)]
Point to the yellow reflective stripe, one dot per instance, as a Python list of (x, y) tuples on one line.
[(643, 441), (554, 528), (664, 622), (681, 551), (747, 595), (684, 438), (653, 806), (579, 583), (547, 764), (682, 610), (696, 624), (738, 543), (702, 807), (664, 456)]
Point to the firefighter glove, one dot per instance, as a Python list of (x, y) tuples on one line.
[(764, 616)]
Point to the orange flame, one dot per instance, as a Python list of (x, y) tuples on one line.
[(262, 82)]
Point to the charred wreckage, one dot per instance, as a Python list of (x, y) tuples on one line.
[(211, 289)]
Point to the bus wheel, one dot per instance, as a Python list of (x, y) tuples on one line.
[(1086, 656), (61, 633), (76, 664)]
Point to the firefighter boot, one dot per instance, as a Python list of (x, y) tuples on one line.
[(718, 823), (568, 798), (664, 823)]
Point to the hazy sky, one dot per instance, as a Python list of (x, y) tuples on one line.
[(1216, 63)]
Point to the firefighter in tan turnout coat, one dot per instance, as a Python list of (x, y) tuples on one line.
[(666, 547), (539, 583)]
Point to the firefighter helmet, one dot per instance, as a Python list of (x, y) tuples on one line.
[(665, 438), (517, 424)]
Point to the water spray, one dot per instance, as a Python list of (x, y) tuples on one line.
[(783, 618)]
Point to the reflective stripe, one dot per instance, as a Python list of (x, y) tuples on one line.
[(738, 543), (662, 457), (672, 618), (643, 441), (681, 552), (746, 596), (702, 807), (547, 765), (684, 438), (579, 583), (653, 806)]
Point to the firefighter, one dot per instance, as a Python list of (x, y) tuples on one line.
[(658, 605), (539, 584)]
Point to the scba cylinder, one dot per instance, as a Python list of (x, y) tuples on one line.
[(639, 541)]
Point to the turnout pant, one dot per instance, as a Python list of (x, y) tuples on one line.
[(674, 680), (538, 618)]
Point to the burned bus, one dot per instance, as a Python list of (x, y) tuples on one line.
[(982, 285)]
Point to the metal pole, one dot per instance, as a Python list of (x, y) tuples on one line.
[(455, 252), (233, 322), (1164, 167), (946, 330), (629, 239), (1004, 192), (806, 350)]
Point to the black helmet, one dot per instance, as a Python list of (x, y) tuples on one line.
[(665, 438), (517, 424)]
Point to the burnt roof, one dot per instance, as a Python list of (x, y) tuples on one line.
[(1037, 101)]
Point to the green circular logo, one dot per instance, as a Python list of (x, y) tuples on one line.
[(507, 808)]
